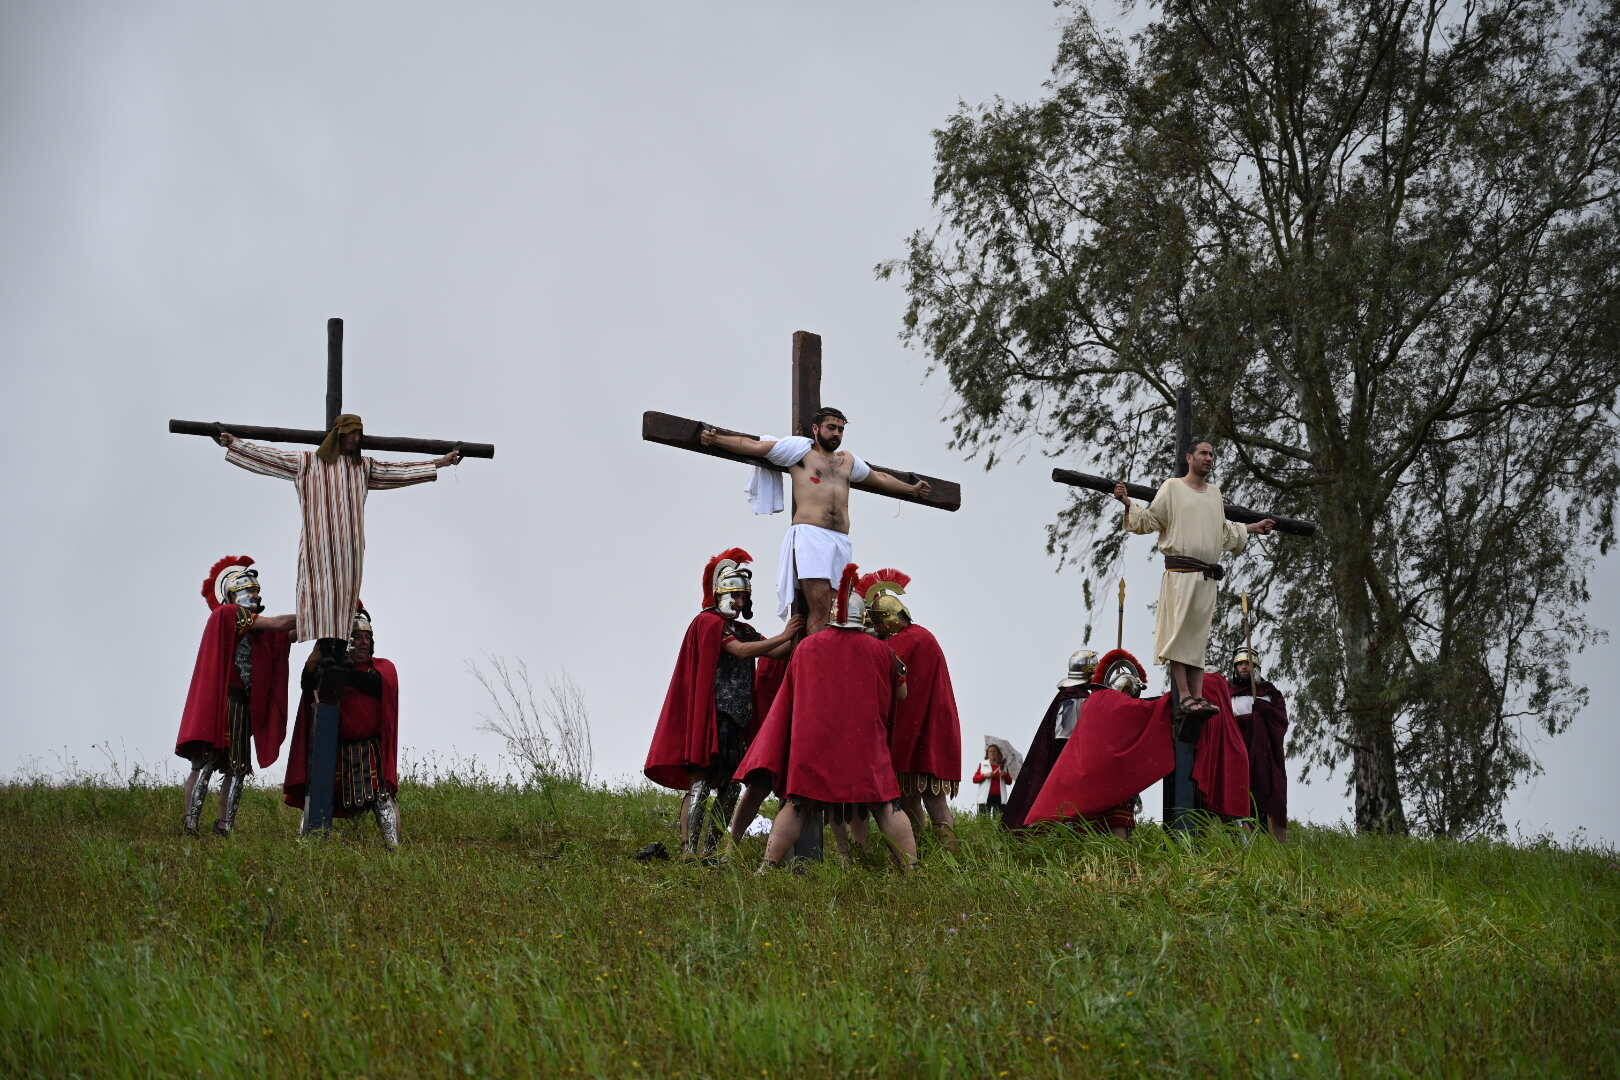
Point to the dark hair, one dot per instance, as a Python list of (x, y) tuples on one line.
[(1198, 440), (824, 412)]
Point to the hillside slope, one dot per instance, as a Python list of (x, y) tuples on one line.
[(513, 935)]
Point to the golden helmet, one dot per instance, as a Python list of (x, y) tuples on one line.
[(885, 613)]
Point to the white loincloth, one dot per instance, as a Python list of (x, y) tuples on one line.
[(809, 552), (765, 485)]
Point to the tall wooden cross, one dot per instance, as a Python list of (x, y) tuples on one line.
[(1182, 806), (324, 737), (680, 432)]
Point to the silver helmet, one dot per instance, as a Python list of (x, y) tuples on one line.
[(1082, 663)]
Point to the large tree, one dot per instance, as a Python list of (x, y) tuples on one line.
[(1379, 240)]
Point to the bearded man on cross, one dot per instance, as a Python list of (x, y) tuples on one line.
[(817, 546)]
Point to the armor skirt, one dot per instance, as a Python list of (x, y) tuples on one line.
[(359, 774), (236, 759), (912, 783)]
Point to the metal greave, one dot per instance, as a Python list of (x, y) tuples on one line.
[(386, 807), (697, 797), (231, 789), (199, 795)]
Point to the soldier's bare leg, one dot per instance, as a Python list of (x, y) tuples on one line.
[(784, 834), (753, 797), (896, 828)]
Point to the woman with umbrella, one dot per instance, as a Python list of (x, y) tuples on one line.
[(995, 774)]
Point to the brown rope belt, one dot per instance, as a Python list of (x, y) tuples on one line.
[(1186, 564)]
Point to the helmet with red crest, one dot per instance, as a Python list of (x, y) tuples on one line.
[(232, 580), (728, 585)]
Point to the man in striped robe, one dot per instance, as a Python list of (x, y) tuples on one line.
[(332, 483)]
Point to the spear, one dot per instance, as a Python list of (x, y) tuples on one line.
[(1248, 635), (1119, 641)]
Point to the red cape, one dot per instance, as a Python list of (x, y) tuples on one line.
[(1120, 746), (688, 733), (203, 720), (294, 785), (768, 675), (1221, 769), (1263, 734), (927, 735), (827, 735)]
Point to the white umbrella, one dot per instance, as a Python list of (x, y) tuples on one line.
[(1013, 759)]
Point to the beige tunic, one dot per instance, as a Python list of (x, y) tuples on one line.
[(1191, 523), (332, 543)]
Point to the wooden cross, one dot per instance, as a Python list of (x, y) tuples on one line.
[(324, 736), (685, 434), (334, 406), (1182, 806)]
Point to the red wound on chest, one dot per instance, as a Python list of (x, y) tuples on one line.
[(815, 479)]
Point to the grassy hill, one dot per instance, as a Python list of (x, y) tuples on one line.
[(514, 935)]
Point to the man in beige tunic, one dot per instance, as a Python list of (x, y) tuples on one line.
[(1189, 515)]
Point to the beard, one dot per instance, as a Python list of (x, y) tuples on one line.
[(829, 444)]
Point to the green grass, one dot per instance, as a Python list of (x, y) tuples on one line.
[(513, 935)]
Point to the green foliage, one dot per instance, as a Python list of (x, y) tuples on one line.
[(510, 938), (1380, 241)]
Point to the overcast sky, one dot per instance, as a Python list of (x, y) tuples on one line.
[(537, 220)]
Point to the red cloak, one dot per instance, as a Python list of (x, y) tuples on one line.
[(1263, 734), (688, 733), (1221, 769), (826, 737), (1120, 746), (382, 715), (927, 735), (768, 675), (204, 721)]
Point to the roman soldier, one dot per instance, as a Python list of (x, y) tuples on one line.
[(1116, 670), (367, 690), (1121, 745), (1051, 735), (825, 744), (238, 691), (710, 711), (1262, 716), (926, 740)]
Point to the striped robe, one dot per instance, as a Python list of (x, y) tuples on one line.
[(332, 542)]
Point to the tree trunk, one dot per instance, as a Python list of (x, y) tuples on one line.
[(1367, 705)]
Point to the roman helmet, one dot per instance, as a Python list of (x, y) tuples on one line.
[(232, 580), (362, 623), (728, 585), (1082, 663), (885, 613), (849, 610), (1119, 670), (1252, 656)]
